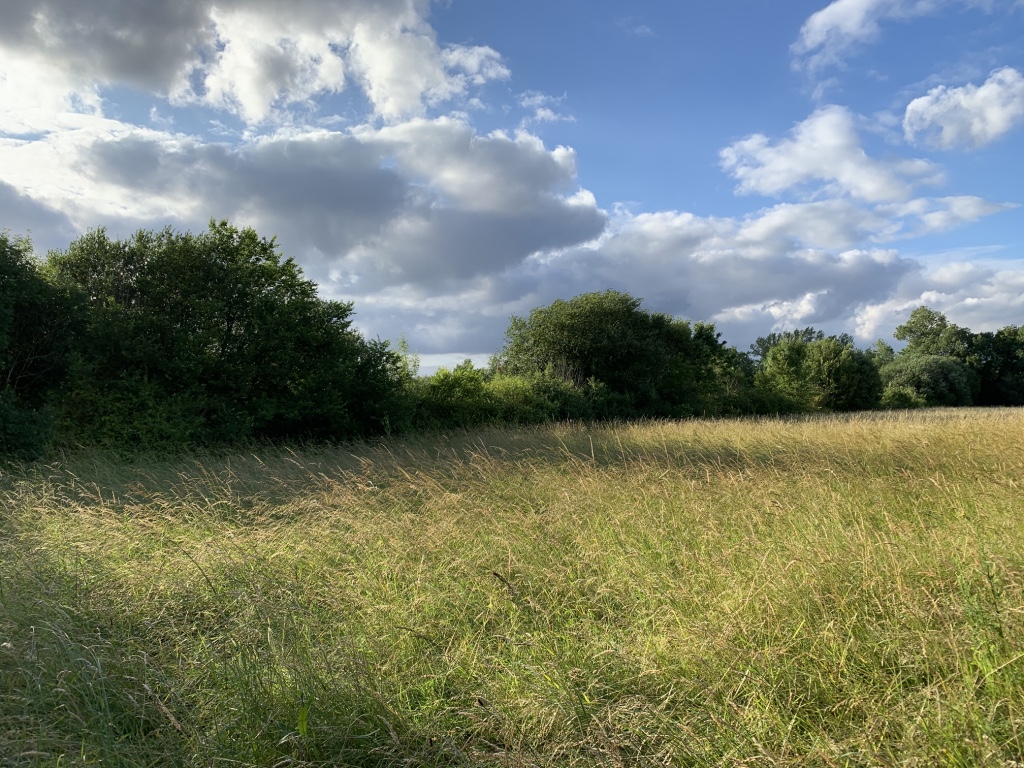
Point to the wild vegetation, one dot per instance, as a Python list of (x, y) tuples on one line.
[(169, 341), (806, 591), (203, 566)]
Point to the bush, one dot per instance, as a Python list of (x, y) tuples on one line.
[(827, 374), (211, 339), (453, 398), (937, 379), (647, 364), (901, 398)]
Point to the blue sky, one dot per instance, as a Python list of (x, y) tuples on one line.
[(445, 165)]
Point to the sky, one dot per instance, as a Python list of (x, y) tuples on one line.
[(444, 165)]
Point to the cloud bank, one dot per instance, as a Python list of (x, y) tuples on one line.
[(440, 231)]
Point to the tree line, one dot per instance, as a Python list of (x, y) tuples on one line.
[(168, 340)]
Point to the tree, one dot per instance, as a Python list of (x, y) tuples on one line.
[(928, 332), (213, 338), (881, 353), (649, 363), (781, 374), (453, 398), (760, 348), (940, 380), (998, 358), (994, 361), (38, 329), (842, 376), (826, 373)]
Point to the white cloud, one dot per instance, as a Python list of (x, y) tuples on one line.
[(981, 295), (709, 268), (261, 63), (253, 59), (923, 216), (479, 63), (971, 115), (485, 173), (33, 96), (545, 108), (825, 150), (434, 228), (418, 203), (828, 36), (829, 224)]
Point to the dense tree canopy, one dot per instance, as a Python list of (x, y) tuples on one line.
[(990, 364), (937, 379), (759, 349), (169, 340), (809, 371), (654, 363), (38, 328), (212, 338), (928, 332), (998, 358)]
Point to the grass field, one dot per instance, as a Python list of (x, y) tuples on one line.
[(805, 592)]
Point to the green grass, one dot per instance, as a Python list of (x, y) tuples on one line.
[(803, 592)]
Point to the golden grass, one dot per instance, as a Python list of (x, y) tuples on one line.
[(815, 591)]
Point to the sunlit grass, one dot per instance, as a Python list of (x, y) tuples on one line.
[(819, 591)]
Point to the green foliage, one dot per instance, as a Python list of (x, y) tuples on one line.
[(999, 360), (214, 338), (995, 360), (938, 379), (38, 328), (827, 373), (166, 339), (453, 398), (781, 372), (24, 432), (760, 348), (517, 400), (466, 396), (896, 397), (843, 377), (928, 332), (881, 353), (651, 363)]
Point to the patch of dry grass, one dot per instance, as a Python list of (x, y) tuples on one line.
[(820, 591)]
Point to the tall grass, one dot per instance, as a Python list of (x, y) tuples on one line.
[(803, 592)]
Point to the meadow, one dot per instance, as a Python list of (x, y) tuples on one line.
[(814, 591)]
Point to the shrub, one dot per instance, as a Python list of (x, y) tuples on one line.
[(896, 397), (938, 379)]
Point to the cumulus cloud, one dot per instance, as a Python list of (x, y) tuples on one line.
[(47, 228), (983, 295), (436, 229), (970, 115), (708, 268), (440, 232), (415, 204), (924, 216), (824, 151), (251, 59), (830, 224)]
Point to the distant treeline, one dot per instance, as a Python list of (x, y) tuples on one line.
[(168, 340)]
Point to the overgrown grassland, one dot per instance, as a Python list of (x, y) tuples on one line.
[(817, 592)]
